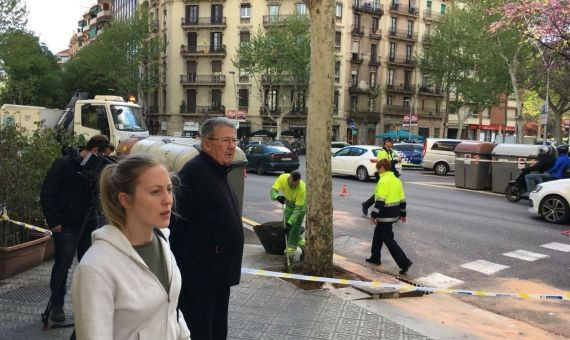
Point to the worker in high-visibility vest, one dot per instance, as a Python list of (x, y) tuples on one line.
[(294, 194)]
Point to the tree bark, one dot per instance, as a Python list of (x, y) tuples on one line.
[(319, 254)]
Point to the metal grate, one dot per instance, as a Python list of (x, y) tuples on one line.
[(37, 291)]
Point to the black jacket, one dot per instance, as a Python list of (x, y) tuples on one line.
[(65, 195), (207, 236)]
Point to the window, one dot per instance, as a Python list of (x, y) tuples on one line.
[(353, 103), (407, 79), (372, 79), (389, 101), (243, 97), (356, 20), (373, 53), (337, 71), (335, 99), (164, 100), (338, 10), (393, 24), (216, 98), (442, 9), (337, 39), (390, 77), (244, 37), (245, 11), (216, 66), (423, 106), (437, 105), (444, 146), (217, 14), (371, 104), (192, 14), (91, 115), (429, 4), (392, 51), (301, 8), (436, 132), (353, 78), (375, 24), (410, 28), (273, 11), (408, 53), (215, 41), (271, 98)]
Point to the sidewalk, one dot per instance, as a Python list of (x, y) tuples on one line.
[(260, 308)]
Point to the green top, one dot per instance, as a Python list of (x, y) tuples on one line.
[(153, 257)]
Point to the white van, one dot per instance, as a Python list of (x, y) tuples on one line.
[(439, 155)]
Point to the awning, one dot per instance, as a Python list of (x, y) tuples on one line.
[(494, 127)]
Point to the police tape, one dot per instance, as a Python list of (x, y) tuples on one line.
[(5, 217), (407, 287)]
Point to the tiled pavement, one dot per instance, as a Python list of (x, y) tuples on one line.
[(260, 308)]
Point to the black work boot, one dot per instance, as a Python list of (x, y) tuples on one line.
[(57, 314), (374, 260)]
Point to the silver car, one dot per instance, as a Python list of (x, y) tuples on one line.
[(439, 155)]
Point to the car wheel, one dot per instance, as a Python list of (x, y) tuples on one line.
[(362, 174), (441, 168), (260, 170), (554, 209), (512, 193)]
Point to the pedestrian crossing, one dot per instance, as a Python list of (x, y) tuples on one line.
[(439, 280)]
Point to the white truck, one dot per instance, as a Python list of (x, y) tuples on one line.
[(28, 118)]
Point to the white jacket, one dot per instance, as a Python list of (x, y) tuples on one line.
[(116, 296)]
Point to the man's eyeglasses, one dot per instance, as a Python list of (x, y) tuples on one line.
[(225, 140)]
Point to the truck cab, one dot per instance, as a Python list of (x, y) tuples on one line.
[(111, 116)]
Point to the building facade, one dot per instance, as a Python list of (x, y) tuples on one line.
[(92, 23)]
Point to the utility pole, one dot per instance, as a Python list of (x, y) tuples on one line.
[(410, 119), (233, 73)]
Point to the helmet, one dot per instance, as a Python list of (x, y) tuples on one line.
[(563, 149), (543, 150)]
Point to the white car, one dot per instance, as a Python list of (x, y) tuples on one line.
[(336, 146), (355, 160), (551, 200)]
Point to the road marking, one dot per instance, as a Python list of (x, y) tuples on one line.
[(557, 246), (453, 188), (525, 255), (438, 280), (484, 267)]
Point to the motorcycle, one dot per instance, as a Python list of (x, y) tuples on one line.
[(516, 189)]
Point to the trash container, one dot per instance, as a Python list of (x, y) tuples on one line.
[(473, 165), (272, 237), (508, 160)]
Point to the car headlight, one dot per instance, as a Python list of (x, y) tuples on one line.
[(537, 189)]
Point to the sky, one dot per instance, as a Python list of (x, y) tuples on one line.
[(55, 21)]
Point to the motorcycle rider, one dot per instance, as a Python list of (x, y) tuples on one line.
[(541, 165), (557, 170)]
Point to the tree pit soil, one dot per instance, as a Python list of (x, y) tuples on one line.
[(312, 285)]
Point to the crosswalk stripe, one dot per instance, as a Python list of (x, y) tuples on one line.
[(438, 280), (525, 255), (484, 267), (557, 246)]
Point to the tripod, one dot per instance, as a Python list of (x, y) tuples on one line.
[(60, 284)]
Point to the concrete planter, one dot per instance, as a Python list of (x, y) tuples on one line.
[(21, 257)]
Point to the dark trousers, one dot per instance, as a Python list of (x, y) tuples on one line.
[(64, 244), (205, 309), (369, 202), (383, 234)]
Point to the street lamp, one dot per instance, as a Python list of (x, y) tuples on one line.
[(233, 73), (409, 118)]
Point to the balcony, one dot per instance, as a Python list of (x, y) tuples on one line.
[(295, 110), (154, 25), (203, 50), (402, 60), (374, 61), (285, 80), (214, 110), (403, 35), (375, 34), (263, 111), (426, 39), (396, 109), (103, 16), (274, 19), (368, 116), (356, 58), (402, 88), (207, 22), (372, 7), (354, 88), (430, 112), (430, 90), (207, 80), (357, 30), (404, 10), (430, 15)]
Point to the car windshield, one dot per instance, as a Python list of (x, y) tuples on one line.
[(277, 149), (127, 118)]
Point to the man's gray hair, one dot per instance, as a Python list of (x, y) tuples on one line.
[(210, 123)]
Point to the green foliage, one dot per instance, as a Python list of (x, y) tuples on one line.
[(532, 104), (13, 15), (124, 58), (32, 76)]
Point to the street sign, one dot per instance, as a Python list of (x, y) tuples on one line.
[(522, 163), (543, 115), (352, 126), (354, 132), (566, 123)]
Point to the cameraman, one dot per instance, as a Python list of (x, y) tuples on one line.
[(66, 199)]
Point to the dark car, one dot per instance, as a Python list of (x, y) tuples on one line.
[(263, 158), (411, 153)]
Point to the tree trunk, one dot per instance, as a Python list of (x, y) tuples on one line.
[(279, 122), (445, 120), (318, 259)]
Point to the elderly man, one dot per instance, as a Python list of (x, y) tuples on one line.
[(207, 236)]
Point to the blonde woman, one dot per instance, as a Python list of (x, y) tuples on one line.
[(127, 284)]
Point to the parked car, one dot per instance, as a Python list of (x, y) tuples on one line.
[(551, 200), (335, 146), (411, 153), (355, 160), (263, 158), (439, 155)]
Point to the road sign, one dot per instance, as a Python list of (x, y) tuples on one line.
[(543, 115), (352, 126), (522, 163), (566, 123)]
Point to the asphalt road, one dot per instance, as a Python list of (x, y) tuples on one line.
[(448, 229)]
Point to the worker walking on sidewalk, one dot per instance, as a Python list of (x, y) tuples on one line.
[(390, 207), (294, 193)]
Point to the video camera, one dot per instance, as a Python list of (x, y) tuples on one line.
[(93, 164)]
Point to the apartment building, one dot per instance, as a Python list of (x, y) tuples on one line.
[(91, 25)]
